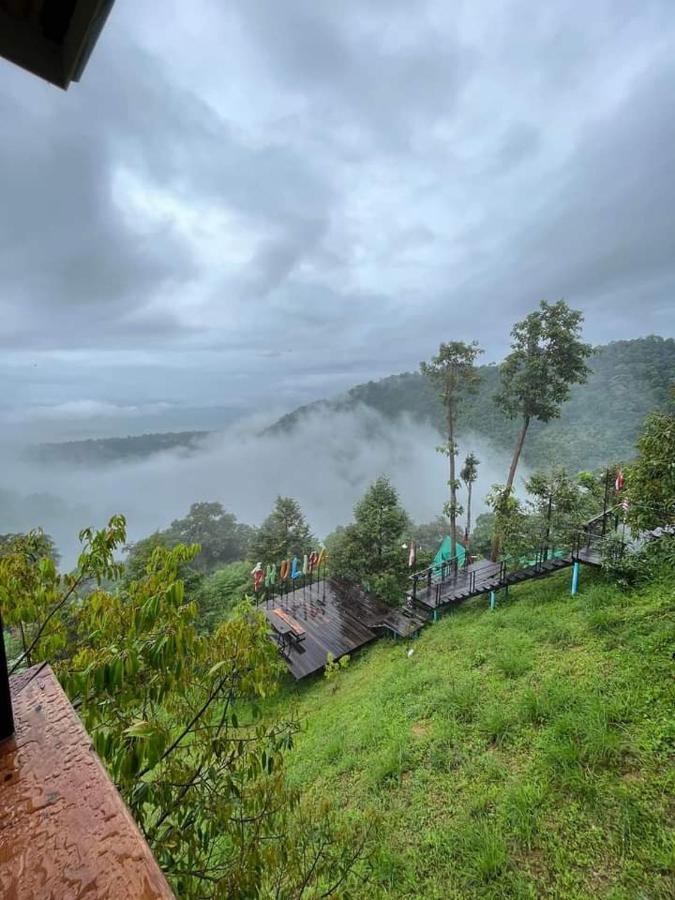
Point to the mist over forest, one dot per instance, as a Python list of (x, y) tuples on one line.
[(325, 463), (324, 455)]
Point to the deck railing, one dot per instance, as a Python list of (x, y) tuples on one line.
[(438, 573)]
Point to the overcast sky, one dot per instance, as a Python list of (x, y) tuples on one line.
[(257, 203)]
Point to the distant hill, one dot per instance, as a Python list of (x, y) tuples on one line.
[(122, 449), (598, 424)]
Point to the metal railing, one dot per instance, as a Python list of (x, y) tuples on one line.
[(437, 574)]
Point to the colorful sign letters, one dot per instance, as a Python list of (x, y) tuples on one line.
[(288, 569)]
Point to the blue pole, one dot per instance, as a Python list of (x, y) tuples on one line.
[(492, 600), (575, 578)]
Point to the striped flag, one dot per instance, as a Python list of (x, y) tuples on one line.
[(618, 484)]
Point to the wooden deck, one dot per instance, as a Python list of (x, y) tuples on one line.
[(483, 576), (337, 618)]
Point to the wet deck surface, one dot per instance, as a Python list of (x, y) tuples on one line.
[(64, 830), (337, 618)]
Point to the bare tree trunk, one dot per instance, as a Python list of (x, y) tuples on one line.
[(467, 536), (23, 643), (509, 481), (453, 488)]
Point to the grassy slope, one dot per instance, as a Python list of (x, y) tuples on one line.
[(518, 753)]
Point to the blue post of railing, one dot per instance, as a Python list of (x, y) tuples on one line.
[(575, 577), (492, 599)]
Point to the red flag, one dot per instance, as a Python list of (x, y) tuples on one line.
[(618, 484)]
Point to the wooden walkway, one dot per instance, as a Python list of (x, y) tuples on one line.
[(337, 618), (479, 578)]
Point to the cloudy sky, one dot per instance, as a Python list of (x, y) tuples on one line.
[(258, 203)]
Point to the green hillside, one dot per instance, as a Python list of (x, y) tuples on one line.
[(520, 753), (598, 424)]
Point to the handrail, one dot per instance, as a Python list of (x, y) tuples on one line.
[(453, 562), (610, 511)]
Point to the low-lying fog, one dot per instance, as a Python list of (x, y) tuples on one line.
[(326, 463)]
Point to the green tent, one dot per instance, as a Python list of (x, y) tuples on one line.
[(444, 554)]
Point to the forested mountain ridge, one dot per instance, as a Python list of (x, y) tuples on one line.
[(599, 423), (116, 449)]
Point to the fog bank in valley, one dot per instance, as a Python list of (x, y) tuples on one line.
[(326, 463)]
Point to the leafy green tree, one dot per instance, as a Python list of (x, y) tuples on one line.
[(556, 504), (650, 479), (222, 539), (516, 531), (369, 550), (454, 375), (138, 556), (547, 357), (175, 716), (429, 535), (468, 474), (219, 593), (43, 544), (283, 535), (481, 536)]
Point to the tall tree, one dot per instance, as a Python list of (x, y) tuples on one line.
[(468, 474), (283, 535), (547, 357), (453, 373), (369, 550)]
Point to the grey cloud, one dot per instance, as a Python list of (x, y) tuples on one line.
[(363, 65), (371, 176)]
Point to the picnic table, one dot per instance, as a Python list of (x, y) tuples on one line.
[(289, 630), (292, 625)]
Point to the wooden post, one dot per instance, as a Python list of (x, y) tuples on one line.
[(6, 714)]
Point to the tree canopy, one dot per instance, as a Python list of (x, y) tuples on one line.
[(650, 479), (221, 539), (547, 357), (369, 550), (283, 535)]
